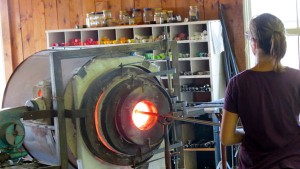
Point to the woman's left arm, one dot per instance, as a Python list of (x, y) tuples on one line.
[(229, 133)]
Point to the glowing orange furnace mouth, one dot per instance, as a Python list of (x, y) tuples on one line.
[(140, 115)]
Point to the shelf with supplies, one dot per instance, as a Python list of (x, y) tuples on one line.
[(199, 67)]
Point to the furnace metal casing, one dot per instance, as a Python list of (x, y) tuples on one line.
[(81, 76)]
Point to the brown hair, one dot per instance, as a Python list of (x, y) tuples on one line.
[(269, 32)]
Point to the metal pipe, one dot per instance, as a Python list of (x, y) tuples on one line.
[(167, 147)]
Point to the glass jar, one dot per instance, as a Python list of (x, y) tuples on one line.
[(107, 14), (137, 15), (89, 20), (131, 21), (147, 15), (194, 13), (124, 18), (164, 16), (98, 19), (157, 15), (170, 18)]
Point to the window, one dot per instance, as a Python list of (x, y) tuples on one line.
[(2, 74), (288, 12)]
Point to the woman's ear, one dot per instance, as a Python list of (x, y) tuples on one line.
[(254, 46)]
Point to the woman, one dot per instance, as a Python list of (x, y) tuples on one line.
[(267, 100)]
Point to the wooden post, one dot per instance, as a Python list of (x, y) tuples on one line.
[(5, 25)]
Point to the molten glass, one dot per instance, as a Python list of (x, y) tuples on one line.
[(144, 115), (40, 93)]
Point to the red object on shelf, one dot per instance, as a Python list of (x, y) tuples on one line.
[(74, 42), (59, 44), (91, 41)]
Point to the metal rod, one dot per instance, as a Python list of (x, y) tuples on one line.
[(190, 120), (175, 64), (229, 57), (224, 160)]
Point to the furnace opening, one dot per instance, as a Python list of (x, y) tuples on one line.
[(144, 115)]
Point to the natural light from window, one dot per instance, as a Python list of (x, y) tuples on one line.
[(2, 74), (288, 12)]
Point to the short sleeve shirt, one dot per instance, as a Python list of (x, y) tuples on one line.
[(268, 104)]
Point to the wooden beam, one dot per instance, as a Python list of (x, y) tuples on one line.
[(101, 5), (27, 27), (87, 7), (8, 63), (140, 4), (168, 4), (76, 15), (51, 14), (182, 8), (211, 9), (16, 33), (154, 4), (63, 14), (233, 14), (39, 25), (127, 5)]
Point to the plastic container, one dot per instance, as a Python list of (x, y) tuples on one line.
[(137, 15), (194, 13), (147, 15)]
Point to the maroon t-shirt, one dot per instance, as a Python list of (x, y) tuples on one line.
[(268, 104)]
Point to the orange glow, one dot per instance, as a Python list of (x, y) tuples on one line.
[(96, 115), (144, 115), (40, 93)]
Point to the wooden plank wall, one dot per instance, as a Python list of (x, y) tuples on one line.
[(27, 20)]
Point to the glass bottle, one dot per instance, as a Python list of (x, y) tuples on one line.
[(147, 15), (87, 20), (137, 15), (194, 13)]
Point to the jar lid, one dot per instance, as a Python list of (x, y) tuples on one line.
[(136, 10), (98, 12), (123, 12), (147, 9)]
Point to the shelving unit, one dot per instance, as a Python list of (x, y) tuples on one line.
[(199, 66)]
